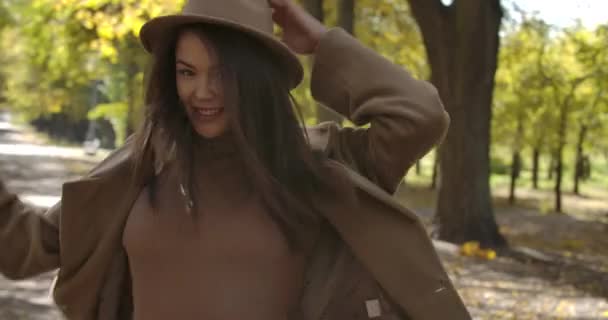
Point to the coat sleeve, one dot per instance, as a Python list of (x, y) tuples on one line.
[(403, 118), (29, 239)]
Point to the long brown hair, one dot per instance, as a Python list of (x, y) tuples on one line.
[(265, 123)]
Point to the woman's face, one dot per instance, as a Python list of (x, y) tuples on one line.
[(199, 85)]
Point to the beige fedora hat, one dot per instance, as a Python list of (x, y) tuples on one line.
[(253, 17)]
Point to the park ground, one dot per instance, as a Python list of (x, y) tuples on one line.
[(557, 267)]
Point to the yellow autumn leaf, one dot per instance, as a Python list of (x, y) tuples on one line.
[(108, 51), (473, 249), (136, 26), (469, 249), (392, 37), (487, 254), (106, 31)]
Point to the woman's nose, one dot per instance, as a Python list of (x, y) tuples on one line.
[(203, 90)]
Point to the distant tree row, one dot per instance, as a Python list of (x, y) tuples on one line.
[(550, 95)]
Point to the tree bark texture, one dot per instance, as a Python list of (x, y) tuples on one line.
[(515, 170), (346, 15), (551, 169), (578, 172), (516, 164), (462, 44), (559, 157), (535, 162), (315, 8)]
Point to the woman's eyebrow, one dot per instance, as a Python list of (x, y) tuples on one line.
[(185, 63)]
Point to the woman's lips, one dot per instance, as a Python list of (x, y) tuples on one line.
[(207, 113)]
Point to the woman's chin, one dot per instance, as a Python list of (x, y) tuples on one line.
[(209, 128), (209, 132)]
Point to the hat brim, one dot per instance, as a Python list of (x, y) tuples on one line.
[(155, 29)]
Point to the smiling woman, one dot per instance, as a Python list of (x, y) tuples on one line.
[(222, 206), (199, 83)]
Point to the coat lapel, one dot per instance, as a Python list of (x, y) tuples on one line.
[(92, 219), (93, 213)]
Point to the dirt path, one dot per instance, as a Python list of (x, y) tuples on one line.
[(561, 274), (558, 268)]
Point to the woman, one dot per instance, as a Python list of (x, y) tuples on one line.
[(222, 207)]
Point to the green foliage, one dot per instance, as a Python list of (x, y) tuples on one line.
[(520, 92), (56, 49), (388, 27), (384, 25), (547, 75), (5, 16)]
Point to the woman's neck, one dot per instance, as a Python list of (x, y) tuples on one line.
[(216, 148)]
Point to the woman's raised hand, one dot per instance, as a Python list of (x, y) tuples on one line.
[(301, 31)]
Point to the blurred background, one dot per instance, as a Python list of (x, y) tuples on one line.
[(516, 197)]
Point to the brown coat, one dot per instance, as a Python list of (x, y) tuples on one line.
[(374, 250)]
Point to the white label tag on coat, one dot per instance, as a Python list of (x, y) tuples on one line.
[(373, 308)]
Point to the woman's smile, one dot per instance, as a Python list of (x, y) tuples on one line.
[(206, 113)]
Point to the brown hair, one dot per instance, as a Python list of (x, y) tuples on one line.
[(265, 122)]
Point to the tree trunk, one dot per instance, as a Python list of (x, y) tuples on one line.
[(559, 156), (535, 161), (552, 164), (418, 168), (462, 44), (435, 170), (515, 169), (346, 16), (315, 8), (578, 172), (516, 158), (558, 178), (564, 112)]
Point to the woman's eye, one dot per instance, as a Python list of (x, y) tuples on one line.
[(185, 72)]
